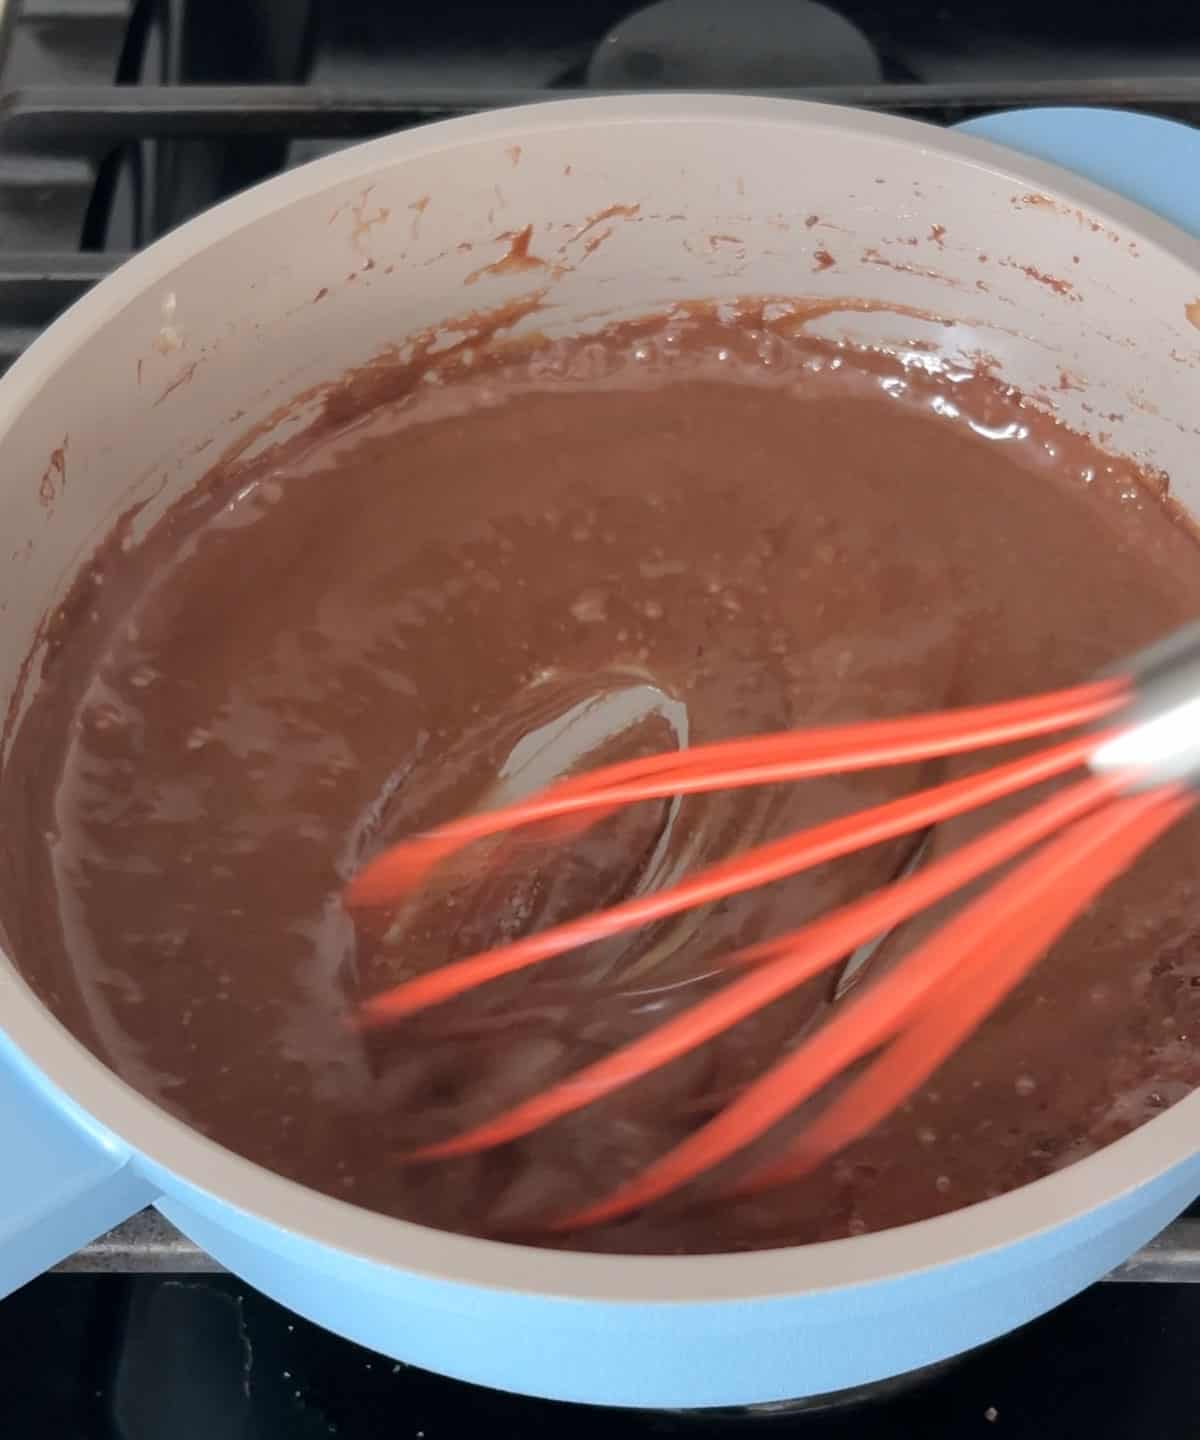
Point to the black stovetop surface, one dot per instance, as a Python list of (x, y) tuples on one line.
[(207, 1358)]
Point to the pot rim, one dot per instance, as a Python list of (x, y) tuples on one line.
[(169, 1145)]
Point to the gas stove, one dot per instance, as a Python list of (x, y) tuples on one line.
[(121, 118)]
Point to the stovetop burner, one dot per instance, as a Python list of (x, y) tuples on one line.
[(682, 44)]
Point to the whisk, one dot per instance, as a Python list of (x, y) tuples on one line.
[(1130, 768)]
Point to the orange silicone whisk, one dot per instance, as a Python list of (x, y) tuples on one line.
[(1127, 747)]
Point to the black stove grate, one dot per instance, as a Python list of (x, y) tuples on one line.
[(81, 118)]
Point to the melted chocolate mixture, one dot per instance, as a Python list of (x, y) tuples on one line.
[(501, 569)]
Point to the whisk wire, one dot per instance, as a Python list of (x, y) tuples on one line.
[(798, 956), (996, 964), (733, 764), (761, 865), (885, 1008)]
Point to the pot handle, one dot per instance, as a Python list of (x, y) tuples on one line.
[(1138, 156), (62, 1181)]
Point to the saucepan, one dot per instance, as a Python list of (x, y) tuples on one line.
[(899, 234)]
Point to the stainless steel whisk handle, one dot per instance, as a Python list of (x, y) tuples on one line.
[(1159, 742)]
